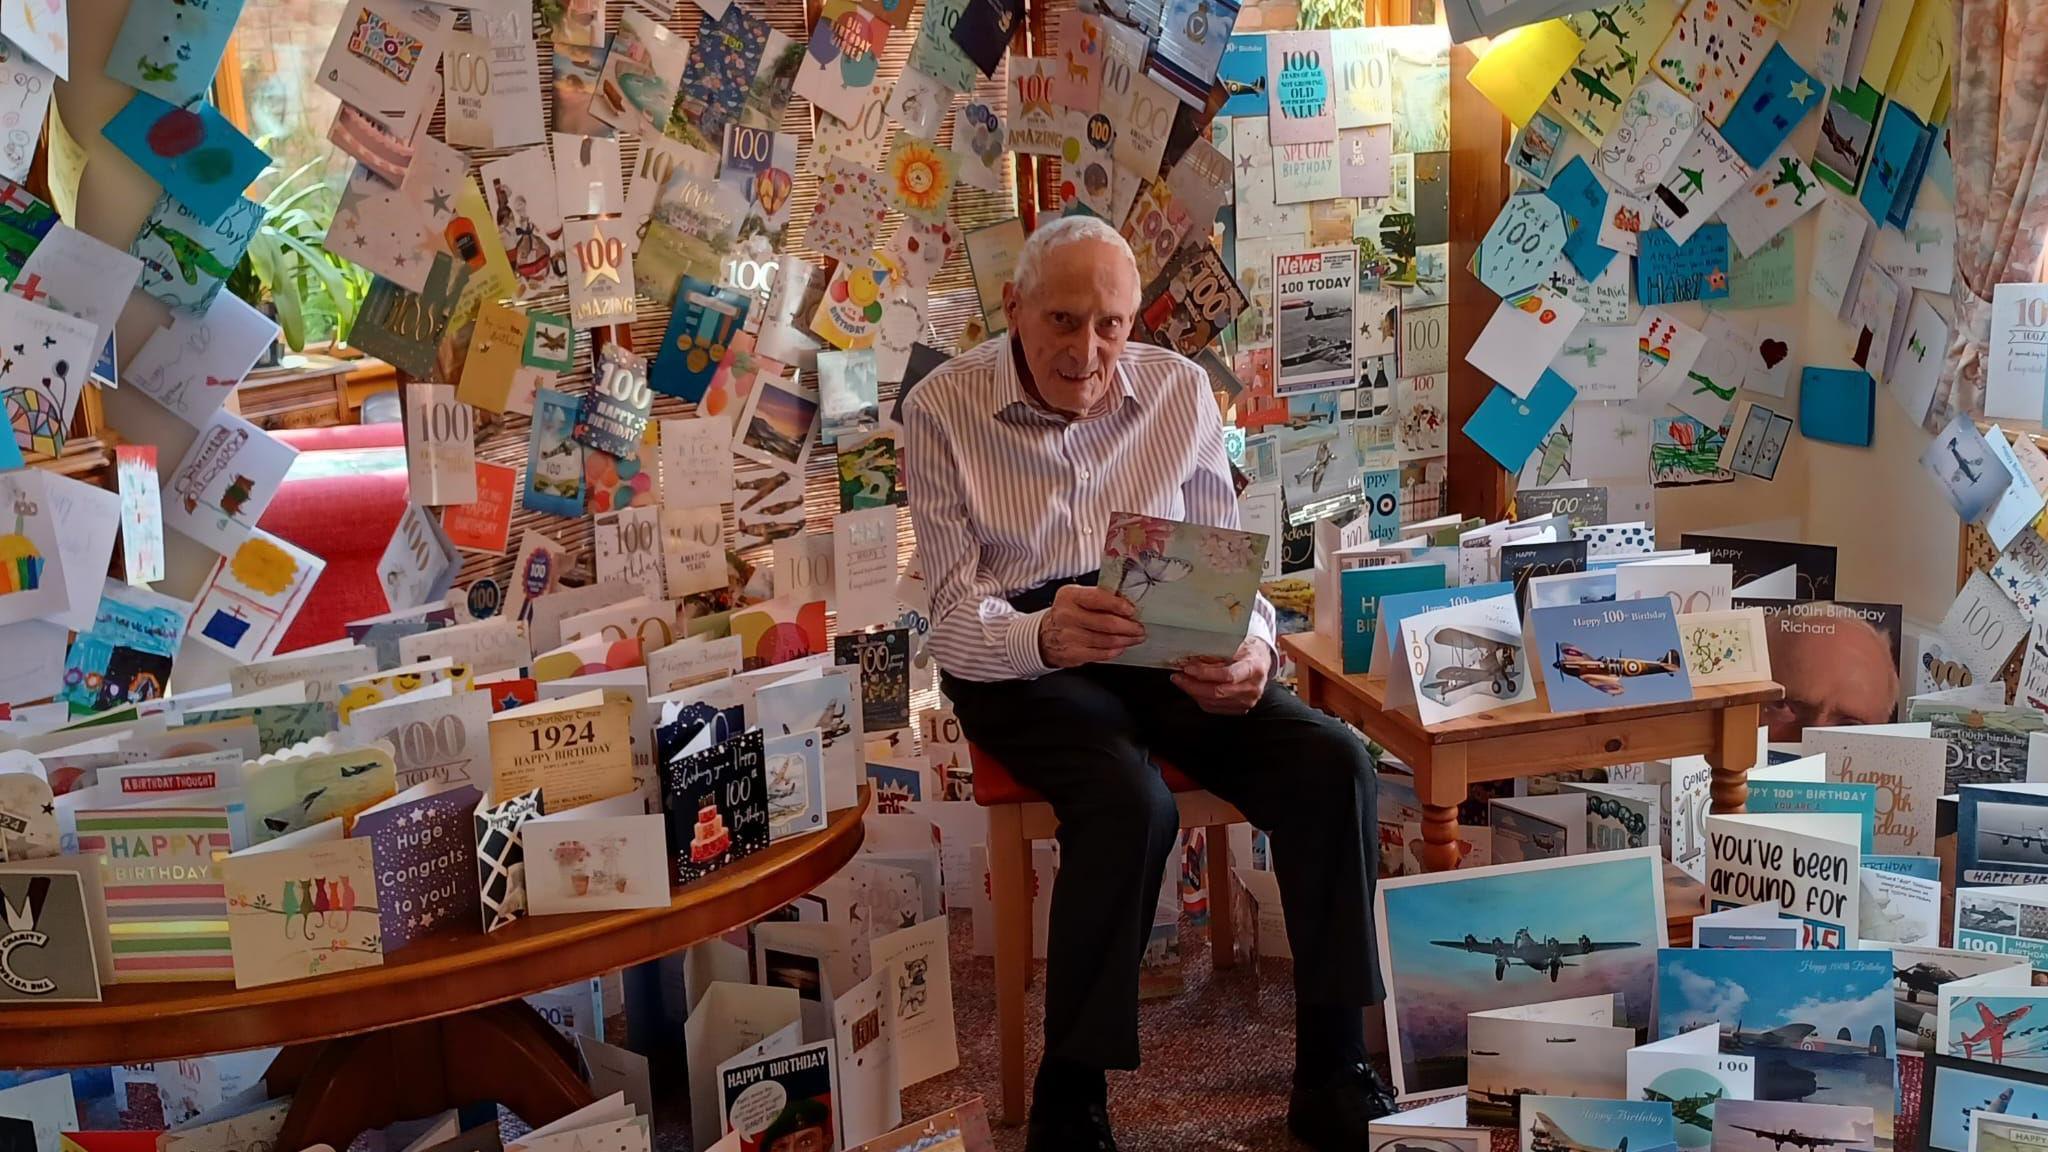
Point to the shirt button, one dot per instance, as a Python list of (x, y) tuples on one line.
[(1084, 474)]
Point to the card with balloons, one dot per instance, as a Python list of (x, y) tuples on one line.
[(842, 58), (762, 164), (194, 152)]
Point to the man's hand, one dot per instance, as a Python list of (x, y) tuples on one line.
[(1227, 687), (1085, 625)]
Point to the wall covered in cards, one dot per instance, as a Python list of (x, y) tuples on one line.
[(1849, 472), (118, 197)]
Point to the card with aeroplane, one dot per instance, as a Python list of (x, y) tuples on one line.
[(1559, 1048), (1997, 1017), (1920, 976), (2001, 834), (1440, 1127), (1472, 941), (1537, 827), (1957, 1094), (1611, 655), (1460, 660), (1569, 1124), (1194, 586), (1788, 1126), (1691, 1073)]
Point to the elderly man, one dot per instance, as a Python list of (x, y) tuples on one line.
[(1019, 451)]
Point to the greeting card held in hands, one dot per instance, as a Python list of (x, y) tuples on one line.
[(1194, 587)]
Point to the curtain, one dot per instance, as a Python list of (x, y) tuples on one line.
[(1997, 131)]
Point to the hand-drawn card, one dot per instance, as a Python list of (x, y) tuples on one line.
[(1620, 46), (1521, 245), (25, 90), (520, 189), (44, 358), (185, 260), (171, 51), (191, 364), (1526, 333), (1652, 133), (1706, 177), (198, 157), (1842, 237), (382, 60), (32, 577), (80, 276), (225, 481), (256, 590), (1668, 272), (1778, 97), (1897, 154), (142, 513), (1713, 51), (42, 29), (1666, 349), (1302, 71), (1599, 360), (1710, 385), (1783, 191), (1509, 427), (842, 58)]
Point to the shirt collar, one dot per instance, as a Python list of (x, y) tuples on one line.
[(1012, 402)]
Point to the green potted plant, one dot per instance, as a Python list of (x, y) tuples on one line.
[(288, 273)]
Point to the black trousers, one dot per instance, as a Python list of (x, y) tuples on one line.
[(1083, 738)]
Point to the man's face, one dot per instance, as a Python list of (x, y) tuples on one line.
[(1075, 321), (802, 1140), (1832, 678)]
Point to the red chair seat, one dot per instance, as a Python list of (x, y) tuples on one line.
[(993, 783)]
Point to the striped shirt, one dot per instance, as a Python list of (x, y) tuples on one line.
[(1006, 496)]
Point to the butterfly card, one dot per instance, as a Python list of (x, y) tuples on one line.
[(1194, 587)]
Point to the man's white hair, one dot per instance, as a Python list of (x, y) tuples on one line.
[(1058, 234)]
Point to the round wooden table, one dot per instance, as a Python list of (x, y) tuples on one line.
[(441, 1024)]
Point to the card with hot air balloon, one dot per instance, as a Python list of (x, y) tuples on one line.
[(193, 152), (762, 165)]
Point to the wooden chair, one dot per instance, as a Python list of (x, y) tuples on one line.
[(1016, 817)]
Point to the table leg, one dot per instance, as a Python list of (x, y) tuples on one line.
[(1733, 752), (504, 1053), (1440, 785)]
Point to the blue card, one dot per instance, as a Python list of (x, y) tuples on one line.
[(1837, 405), (1360, 590), (1918, 867), (171, 50), (1778, 97), (1668, 273), (1609, 655), (1757, 939), (699, 336), (1584, 201), (1243, 73), (203, 161), (1895, 153), (554, 457), (1782, 796), (1509, 427)]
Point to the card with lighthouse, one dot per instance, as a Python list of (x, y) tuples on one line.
[(304, 904)]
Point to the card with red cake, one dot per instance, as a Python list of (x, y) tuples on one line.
[(716, 798)]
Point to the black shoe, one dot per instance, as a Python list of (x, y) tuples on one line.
[(1069, 1125), (1332, 1116)]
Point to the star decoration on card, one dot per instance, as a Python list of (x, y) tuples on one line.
[(1244, 163), (439, 200), (1624, 432), (1801, 91)]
